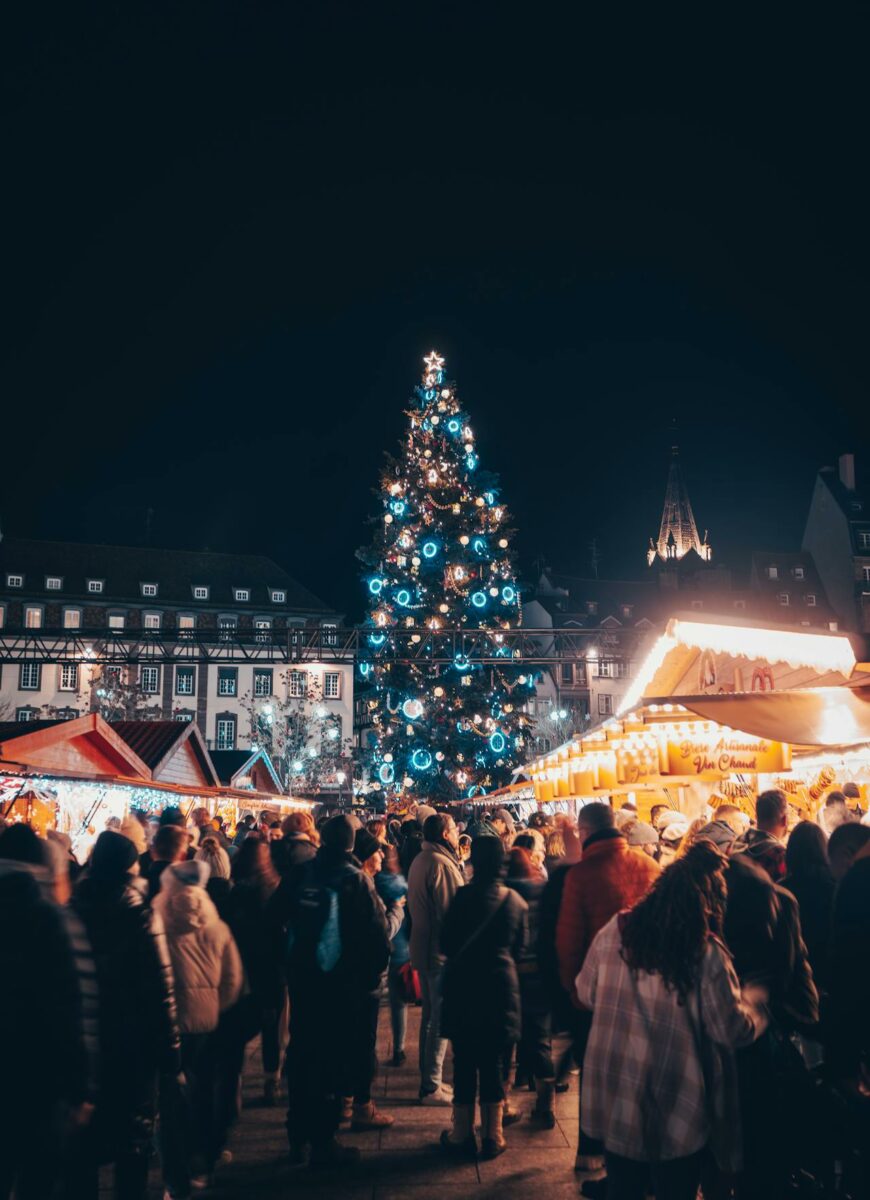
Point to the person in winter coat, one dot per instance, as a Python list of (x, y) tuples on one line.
[(330, 926), (482, 936), (434, 880), (219, 883), (392, 886), (847, 1038), (410, 844), (170, 846), (134, 978), (659, 977), (609, 877), (810, 880), (764, 843), (49, 1064), (208, 980), (534, 1052)]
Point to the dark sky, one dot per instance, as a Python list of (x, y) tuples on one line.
[(232, 231)]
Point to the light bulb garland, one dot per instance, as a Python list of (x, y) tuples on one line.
[(442, 550)]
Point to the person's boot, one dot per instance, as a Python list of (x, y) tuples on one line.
[(544, 1110), (331, 1153), (366, 1117), (510, 1115), (460, 1140), (492, 1142), (345, 1109)]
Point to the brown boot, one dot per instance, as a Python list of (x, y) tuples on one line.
[(492, 1142), (366, 1117), (460, 1140), (544, 1110)]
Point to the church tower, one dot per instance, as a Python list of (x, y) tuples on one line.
[(678, 534)]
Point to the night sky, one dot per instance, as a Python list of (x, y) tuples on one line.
[(232, 232)]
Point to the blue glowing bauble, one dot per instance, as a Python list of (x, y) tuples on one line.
[(412, 709), (460, 662), (386, 773), (471, 461), (377, 639), (429, 394), (454, 426), (421, 760), (430, 549), (508, 594), (489, 497), (364, 669), (478, 599), (398, 508), (376, 586), (403, 597), (479, 545), (497, 742)]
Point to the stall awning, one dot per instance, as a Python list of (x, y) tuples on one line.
[(828, 716)]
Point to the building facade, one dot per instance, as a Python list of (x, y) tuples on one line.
[(157, 615), (837, 535)]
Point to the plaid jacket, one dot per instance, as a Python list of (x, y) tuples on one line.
[(656, 1084)]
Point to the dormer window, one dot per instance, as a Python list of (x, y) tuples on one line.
[(15, 581), (627, 610), (592, 607), (811, 600), (864, 539), (783, 599), (95, 586), (149, 589), (798, 572), (53, 583), (279, 596), (697, 604), (772, 572), (241, 595), (200, 592)]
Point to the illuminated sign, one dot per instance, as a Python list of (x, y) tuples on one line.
[(718, 755)]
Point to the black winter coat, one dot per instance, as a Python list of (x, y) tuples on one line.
[(480, 986), (137, 1017), (814, 892), (290, 852), (248, 918)]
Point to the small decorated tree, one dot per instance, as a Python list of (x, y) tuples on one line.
[(440, 561)]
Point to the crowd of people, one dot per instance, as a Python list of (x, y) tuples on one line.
[(710, 980)]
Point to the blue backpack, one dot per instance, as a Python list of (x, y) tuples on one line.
[(314, 929)]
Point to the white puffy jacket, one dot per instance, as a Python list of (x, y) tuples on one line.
[(205, 959)]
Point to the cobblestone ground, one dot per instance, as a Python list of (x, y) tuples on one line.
[(402, 1161)]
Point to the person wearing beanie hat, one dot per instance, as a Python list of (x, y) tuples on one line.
[(134, 979), (641, 836), (133, 829), (327, 914), (208, 976)]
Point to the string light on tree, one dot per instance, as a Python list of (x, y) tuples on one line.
[(441, 550)]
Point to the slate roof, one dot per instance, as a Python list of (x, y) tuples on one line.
[(228, 762), (14, 729), (154, 741), (176, 572)]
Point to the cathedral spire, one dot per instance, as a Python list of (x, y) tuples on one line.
[(678, 533)]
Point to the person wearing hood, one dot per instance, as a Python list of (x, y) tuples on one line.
[(134, 976), (208, 980), (47, 1010), (330, 926), (434, 879), (298, 845)]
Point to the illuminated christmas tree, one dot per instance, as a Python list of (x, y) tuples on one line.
[(448, 721)]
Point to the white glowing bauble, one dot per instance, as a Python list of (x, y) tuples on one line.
[(445, 392), (509, 708), (415, 637), (388, 758), (388, 518), (456, 509), (395, 488), (493, 591), (477, 718), (415, 562), (435, 419), (427, 453), (439, 691), (407, 781), (444, 608), (469, 446), (480, 502), (463, 541), (503, 543), (409, 622), (409, 730), (522, 679), (439, 756)]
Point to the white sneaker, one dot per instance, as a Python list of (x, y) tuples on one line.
[(198, 1183), (442, 1097)]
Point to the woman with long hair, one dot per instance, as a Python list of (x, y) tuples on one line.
[(658, 1079), (810, 880)]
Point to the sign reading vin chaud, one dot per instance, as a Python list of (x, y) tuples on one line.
[(718, 754)]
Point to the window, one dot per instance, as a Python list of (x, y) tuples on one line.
[(330, 634), (227, 628), (2, 615), (605, 704), (833, 626), (811, 600), (279, 597), (151, 620), (95, 586), (186, 626), (200, 592), (72, 618), (740, 604), (241, 595), (864, 539), (262, 682), (182, 714), (66, 714), (783, 599), (68, 677), (592, 607), (33, 616), (332, 685), (116, 620), (15, 581), (865, 571), (25, 714), (226, 733), (149, 680), (263, 625), (697, 604), (627, 610), (772, 573), (184, 679), (798, 572), (566, 672), (112, 676), (297, 685), (29, 676), (53, 583), (228, 681), (149, 589)]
